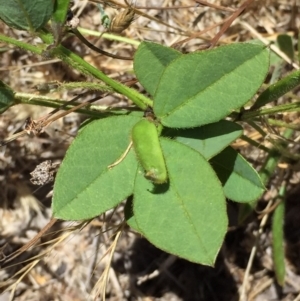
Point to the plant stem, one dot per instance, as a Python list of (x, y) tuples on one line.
[(257, 128), (272, 160), (78, 63), (266, 172), (280, 123), (256, 144), (40, 100), (108, 36), (20, 44), (291, 107)]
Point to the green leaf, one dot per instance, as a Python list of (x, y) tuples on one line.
[(241, 183), (274, 91), (187, 216), (150, 60), (26, 14), (85, 187), (209, 139), (204, 87), (6, 97), (285, 43)]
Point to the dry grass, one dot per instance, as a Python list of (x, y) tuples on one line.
[(75, 262)]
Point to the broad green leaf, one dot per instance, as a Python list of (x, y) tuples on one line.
[(204, 87), (209, 139), (187, 216), (150, 60), (278, 89), (85, 187), (241, 182), (6, 97), (26, 14), (285, 43)]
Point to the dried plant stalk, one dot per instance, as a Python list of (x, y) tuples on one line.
[(122, 20)]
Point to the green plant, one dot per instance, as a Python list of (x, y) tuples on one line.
[(180, 186)]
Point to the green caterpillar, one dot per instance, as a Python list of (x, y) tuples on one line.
[(149, 153)]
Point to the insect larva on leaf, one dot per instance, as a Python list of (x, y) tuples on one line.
[(146, 144)]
